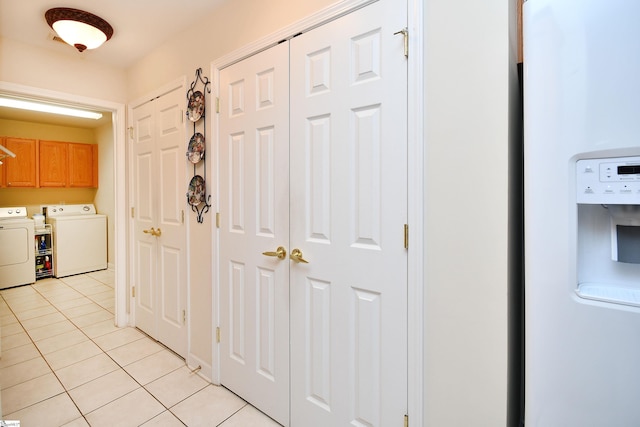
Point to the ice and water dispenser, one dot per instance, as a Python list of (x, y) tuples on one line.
[(608, 229)]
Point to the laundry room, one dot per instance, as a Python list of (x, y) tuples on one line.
[(60, 164)]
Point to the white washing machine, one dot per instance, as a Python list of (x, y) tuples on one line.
[(17, 252), (79, 238)]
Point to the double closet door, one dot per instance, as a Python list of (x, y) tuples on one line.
[(159, 233), (313, 203)]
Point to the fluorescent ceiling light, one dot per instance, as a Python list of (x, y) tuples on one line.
[(48, 108)]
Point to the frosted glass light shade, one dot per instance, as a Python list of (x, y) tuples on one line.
[(78, 33)]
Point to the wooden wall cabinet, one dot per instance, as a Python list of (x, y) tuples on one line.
[(68, 164), (83, 165), (54, 164), (21, 171)]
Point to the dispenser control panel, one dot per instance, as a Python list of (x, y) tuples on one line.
[(614, 180)]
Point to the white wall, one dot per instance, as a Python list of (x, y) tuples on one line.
[(30, 66), (467, 82)]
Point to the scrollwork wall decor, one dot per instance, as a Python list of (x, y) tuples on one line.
[(197, 196)]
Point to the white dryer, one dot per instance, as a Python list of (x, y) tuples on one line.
[(17, 252), (79, 239)]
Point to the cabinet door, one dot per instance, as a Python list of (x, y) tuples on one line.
[(53, 164), (83, 165), (22, 170)]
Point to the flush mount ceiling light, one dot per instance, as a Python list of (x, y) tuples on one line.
[(80, 29), (44, 107)]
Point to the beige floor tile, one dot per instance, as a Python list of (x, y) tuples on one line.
[(100, 315), (132, 409), (78, 280), (109, 306), (36, 312), (153, 367), (93, 289), (104, 296), (7, 318), (17, 291), (165, 419), (118, 338), (12, 329), (30, 392), (86, 370), (78, 422), (61, 293), (100, 328), (49, 282), (55, 411), (103, 390), (23, 371), (176, 386), (18, 354), (249, 417), (58, 342), (48, 331), (81, 310), (25, 307), (134, 351), (70, 303), (47, 319), (15, 340), (73, 354), (208, 407), (104, 276)]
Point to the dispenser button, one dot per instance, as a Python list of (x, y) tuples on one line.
[(588, 190), (608, 190), (588, 169)]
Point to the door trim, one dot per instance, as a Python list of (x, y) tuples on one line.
[(415, 185), (118, 121)]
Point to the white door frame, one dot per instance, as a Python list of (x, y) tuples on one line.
[(118, 121), (415, 190)]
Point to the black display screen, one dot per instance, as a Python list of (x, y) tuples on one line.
[(629, 170)]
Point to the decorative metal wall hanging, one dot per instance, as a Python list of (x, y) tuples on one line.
[(197, 196)]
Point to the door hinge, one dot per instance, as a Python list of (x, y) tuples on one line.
[(131, 132), (218, 334), (184, 317), (217, 219), (405, 34), (183, 216), (406, 421), (217, 104), (133, 215), (182, 114), (133, 292), (406, 236)]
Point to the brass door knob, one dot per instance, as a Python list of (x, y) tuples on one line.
[(280, 253), (296, 255)]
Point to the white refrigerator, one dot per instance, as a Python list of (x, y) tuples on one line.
[(582, 212)]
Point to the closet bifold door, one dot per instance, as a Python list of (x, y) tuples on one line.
[(159, 232), (254, 206), (348, 214)]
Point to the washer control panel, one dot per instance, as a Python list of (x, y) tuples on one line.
[(613, 180)]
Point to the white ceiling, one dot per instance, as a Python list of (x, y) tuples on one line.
[(138, 27)]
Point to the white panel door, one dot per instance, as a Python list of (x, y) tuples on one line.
[(348, 210), (254, 205), (159, 200)]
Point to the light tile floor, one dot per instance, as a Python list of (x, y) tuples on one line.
[(64, 363)]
